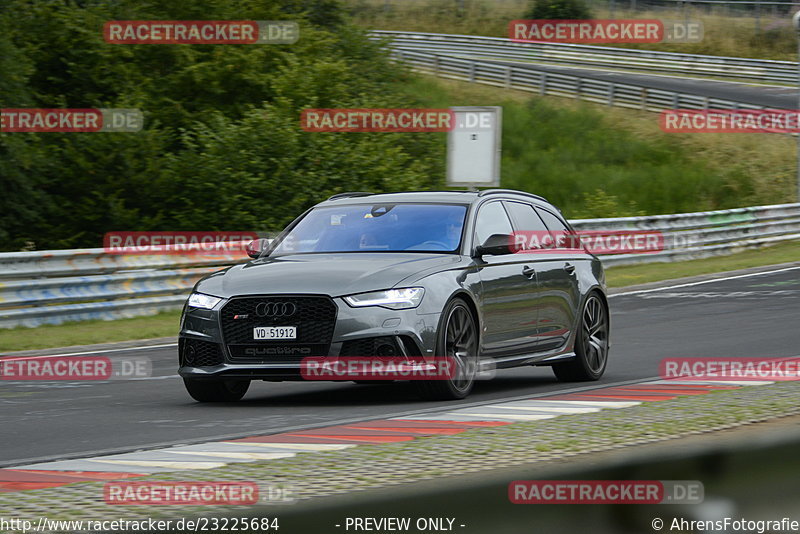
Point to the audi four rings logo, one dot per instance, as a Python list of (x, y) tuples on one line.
[(275, 309)]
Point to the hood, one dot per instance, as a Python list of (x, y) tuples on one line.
[(328, 274)]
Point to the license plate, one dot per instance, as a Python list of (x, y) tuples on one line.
[(275, 332)]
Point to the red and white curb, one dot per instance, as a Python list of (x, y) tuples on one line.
[(288, 444)]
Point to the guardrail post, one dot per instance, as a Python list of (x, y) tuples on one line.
[(578, 87), (508, 78), (472, 72), (643, 97), (676, 100), (543, 84), (436, 65), (758, 17), (705, 103), (612, 89)]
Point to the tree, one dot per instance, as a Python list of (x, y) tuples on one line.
[(222, 147)]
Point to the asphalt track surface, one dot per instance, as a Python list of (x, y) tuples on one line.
[(751, 315), (770, 96)]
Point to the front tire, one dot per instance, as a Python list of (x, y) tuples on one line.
[(591, 345), (457, 339), (216, 390)]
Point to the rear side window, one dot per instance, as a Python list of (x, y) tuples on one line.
[(492, 219), (525, 218), (554, 224)]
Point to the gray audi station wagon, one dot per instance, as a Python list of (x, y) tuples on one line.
[(415, 274)]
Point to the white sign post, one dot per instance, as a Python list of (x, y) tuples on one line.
[(473, 147)]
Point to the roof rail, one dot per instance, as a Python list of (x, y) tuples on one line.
[(485, 192), (422, 192), (351, 194)]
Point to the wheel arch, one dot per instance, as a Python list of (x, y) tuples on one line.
[(469, 299), (596, 289)]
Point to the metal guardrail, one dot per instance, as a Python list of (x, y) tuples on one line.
[(626, 59), (689, 236), (50, 263), (571, 86), (52, 287)]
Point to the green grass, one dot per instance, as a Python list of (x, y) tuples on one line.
[(89, 332), (596, 161), (654, 272), (723, 35), (166, 324)]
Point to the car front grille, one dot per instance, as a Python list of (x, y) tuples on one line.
[(313, 316)]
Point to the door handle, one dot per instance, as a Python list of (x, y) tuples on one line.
[(569, 268), (530, 272)]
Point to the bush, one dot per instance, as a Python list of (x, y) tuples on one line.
[(558, 9)]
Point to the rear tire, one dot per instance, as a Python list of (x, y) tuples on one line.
[(457, 339), (216, 390), (591, 344)]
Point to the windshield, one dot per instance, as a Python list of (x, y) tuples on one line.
[(377, 228)]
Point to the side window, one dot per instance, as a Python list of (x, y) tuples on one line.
[(530, 232), (492, 219), (525, 219), (553, 223)]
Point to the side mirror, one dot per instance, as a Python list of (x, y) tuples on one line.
[(497, 245), (256, 247)]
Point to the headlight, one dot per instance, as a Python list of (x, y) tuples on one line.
[(394, 299), (199, 300)]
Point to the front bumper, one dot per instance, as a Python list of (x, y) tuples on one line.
[(205, 350)]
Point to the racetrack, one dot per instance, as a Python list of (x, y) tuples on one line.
[(755, 314)]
